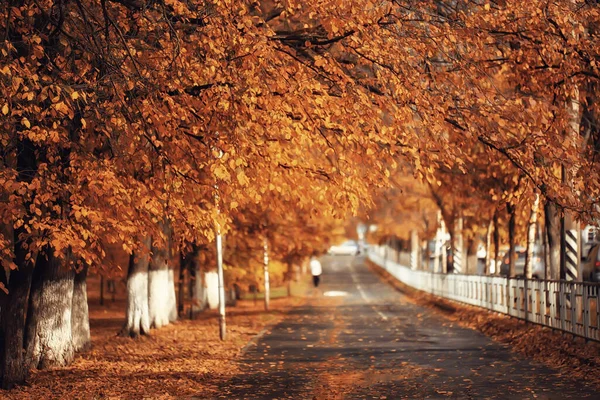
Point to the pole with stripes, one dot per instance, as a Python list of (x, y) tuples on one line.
[(572, 255)]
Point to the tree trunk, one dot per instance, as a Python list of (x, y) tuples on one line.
[(198, 293), (472, 266), (553, 234), (414, 249), (49, 336), (488, 247), (496, 242), (511, 240), (427, 259), (13, 304), (158, 288), (531, 236), (137, 320), (183, 266), (458, 256), (12, 313), (80, 319), (211, 287), (196, 283), (172, 306)]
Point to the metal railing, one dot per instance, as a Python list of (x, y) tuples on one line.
[(572, 307)]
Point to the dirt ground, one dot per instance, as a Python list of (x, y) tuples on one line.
[(184, 359)]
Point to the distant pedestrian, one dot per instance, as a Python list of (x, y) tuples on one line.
[(315, 269)]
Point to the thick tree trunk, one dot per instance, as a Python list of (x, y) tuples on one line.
[(172, 306), (49, 337), (183, 266), (472, 261), (553, 229), (198, 292), (211, 287), (12, 313), (13, 304), (80, 319), (137, 320), (158, 289)]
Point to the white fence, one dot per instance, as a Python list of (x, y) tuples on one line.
[(572, 307)]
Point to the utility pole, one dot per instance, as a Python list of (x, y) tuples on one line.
[(222, 326), (219, 248), (266, 271)]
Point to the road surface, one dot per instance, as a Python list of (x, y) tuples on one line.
[(357, 337)]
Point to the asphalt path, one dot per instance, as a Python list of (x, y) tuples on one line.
[(357, 337)]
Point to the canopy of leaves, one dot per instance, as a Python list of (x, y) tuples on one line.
[(282, 117)]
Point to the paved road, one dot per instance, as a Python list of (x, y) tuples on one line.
[(359, 338)]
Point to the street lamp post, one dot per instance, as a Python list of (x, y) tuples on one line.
[(219, 244), (219, 248), (266, 271)]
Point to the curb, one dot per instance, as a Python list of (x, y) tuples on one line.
[(254, 341)]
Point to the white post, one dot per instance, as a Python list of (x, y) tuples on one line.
[(222, 331), (436, 248), (266, 270), (220, 279), (219, 246)]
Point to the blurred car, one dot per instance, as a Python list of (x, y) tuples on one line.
[(348, 248), (481, 251), (590, 266), (585, 249), (538, 266)]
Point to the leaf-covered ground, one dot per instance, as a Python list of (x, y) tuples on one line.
[(572, 356), (183, 359)]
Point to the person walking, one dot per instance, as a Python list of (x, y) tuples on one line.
[(315, 269)]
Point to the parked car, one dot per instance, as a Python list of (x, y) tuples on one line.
[(348, 248), (591, 264), (521, 253)]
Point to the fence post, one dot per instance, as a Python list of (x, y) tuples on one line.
[(574, 307), (562, 305), (526, 305), (507, 297)]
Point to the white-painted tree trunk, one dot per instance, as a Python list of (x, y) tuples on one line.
[(199, 293), (458, 256), (49, 339), (80, 321), (211, 281), (414, 249), (531, 236), (137, 319), (172, 299), (158, 292)]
